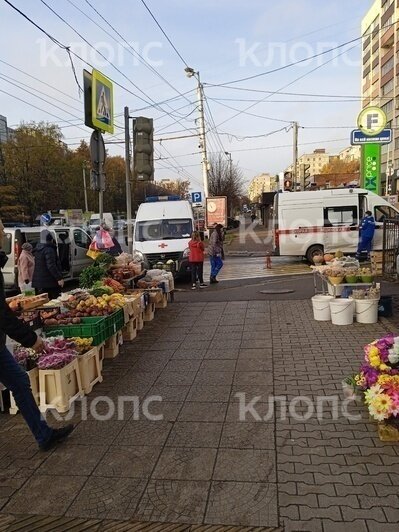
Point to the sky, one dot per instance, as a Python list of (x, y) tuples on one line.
[(225, 40)]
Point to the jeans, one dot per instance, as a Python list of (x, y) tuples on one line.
[(216, 265), (197, 269), (17, 381)]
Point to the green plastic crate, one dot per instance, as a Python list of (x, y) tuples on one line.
[(95, 328), (115, 322)]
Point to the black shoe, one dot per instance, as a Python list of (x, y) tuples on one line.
[(57, 436), (213, 280)]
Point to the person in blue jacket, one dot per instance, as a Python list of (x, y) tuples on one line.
[(367, 228)]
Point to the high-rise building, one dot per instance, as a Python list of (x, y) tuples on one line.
[(5, 131), (380, 45), (260, 184), (315, 160)]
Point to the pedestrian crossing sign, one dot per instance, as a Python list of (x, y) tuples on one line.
[(102, 102)]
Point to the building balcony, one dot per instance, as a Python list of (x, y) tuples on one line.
[(388, 38)]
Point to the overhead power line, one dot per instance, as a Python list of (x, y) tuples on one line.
[(295, 63), (163, 31)]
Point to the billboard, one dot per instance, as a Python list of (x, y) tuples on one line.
[(216, 211)]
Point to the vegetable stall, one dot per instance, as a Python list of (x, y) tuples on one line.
[(84, 326)]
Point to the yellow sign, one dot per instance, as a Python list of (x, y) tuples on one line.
[(371, 121), (102, 104)]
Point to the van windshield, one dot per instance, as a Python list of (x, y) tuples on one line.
[(95, 221), (163, 229)]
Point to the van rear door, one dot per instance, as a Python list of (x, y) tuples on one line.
[(80, 243)]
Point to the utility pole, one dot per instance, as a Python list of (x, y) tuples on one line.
[(128, 184), (295, 156), (203, 137), (84, 186), (190, 72), (230, 175)]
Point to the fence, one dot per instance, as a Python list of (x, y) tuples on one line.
[(390, 248)]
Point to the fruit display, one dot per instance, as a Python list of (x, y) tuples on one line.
[(86, 306), (114, 284), (82, 345), (22, 302)]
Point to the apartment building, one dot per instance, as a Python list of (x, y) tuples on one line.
[(260, 184), (315, 160), (380, 53), (5, 131)]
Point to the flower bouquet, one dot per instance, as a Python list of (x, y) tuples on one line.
[(379, 379)]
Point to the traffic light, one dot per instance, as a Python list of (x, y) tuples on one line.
[(143, 148), (287, 180), (304, 169)]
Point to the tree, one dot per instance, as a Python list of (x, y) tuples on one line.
[(10, 209), (34, 164), (226, 180), (341, 166)]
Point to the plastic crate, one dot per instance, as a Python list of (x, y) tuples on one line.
[(114, 322), (96, 328)]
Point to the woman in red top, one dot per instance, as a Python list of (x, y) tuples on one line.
[(196, 259)]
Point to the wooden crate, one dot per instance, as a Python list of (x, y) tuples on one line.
[(90, 369), (129, 331), (101, 354), (33, 375), (163, 303), (149, 312), (111, 348), (60, 387), (140, 320)]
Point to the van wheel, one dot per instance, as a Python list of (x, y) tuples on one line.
[(314, 250)]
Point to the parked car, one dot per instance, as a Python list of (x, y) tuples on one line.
[(232, 223)]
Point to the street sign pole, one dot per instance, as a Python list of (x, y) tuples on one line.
[(128, 185), (98, 154)]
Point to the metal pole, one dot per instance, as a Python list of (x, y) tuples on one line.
[(101, 197), (128, 184), (84, 186), (295, 156), (202, 136)]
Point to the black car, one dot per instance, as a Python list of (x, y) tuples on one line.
[(232, 223)]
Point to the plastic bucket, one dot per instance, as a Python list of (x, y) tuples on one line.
[(321, 307), (341, 311), (367, 310)]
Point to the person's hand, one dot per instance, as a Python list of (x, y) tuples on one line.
[(61, 283), (39, 345)]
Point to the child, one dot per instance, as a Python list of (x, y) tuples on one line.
[(196, 259)]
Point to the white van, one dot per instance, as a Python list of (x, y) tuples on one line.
[(72, 244), (307, 223), (94, 222), (162, 232)]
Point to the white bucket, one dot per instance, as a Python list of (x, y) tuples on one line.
[(341, 311), (321, 307), (367, 310)]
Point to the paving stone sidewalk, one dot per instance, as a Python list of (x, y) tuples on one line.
[(201, 464)]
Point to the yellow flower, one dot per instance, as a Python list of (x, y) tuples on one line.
[(375, 361), (384, 367), (373, 351), (384, 379)]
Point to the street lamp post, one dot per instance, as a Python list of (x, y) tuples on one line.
[(190, 72), (230, 175)]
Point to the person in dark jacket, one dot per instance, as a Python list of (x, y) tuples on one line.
[(14, 377), (216, 252), (367, 229), (47, 276)]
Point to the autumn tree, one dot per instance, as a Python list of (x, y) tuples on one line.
[(341, 166), (226, 180)]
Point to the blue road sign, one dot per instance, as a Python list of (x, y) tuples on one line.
[(196, 197), (45, 218), (358, 137)]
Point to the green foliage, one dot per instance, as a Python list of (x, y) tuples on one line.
[(90, 275), (105, 259)]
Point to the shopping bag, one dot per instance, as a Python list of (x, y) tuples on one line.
[(104, 240), (93, 253)]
